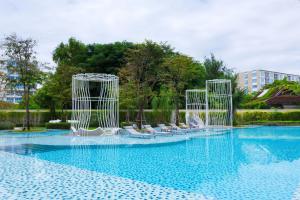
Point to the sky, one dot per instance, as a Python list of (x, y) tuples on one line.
[(245, 34)]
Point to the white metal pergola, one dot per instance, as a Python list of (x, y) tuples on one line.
[(98, 93), (212, 105), (219, 103)]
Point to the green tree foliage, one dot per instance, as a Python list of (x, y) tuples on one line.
[(92, 58), (21, 59), (277, 88), (162, 104), (151, 74), (56, 92), (284, 86), (215, 69), (73, 53), (76, 57), (181, 73), (142, 68), (128, 100)]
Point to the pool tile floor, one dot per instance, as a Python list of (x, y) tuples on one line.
[(30, 178)]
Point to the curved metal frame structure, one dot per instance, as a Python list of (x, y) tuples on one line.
[(212, 105), (218, 103), (95, 93)]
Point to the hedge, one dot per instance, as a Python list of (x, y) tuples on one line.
[(252, 117), (151, 117), (60, 125), (275, 123), (6, 125)]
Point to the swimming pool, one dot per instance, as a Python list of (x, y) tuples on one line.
[(246, 163)]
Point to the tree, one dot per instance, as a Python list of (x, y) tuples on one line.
[(215, 68), (162, 104), (142, 69), (128, 98), (73, 53), (43, 96), (107, 58), (92, 58), (57, 90), (21, 60), (3, 83), (181, 73)]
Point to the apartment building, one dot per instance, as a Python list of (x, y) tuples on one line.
[(10, 90), (254, 80), (10, 93)]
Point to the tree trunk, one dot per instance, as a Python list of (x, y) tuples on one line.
[(52, 111), (27, 89), (127, 116), (177, 114), (140, 115)]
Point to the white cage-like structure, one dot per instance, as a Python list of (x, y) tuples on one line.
[(210, 107), (195, 107), (219, 103), (95, 102)]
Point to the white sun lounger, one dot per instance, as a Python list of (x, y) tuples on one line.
[(183, 126), (193, 125), (151, 130), (178, 129), (95, 132), (133, 133), (169, 129), (196, 127), (55, 121), (163, 127)]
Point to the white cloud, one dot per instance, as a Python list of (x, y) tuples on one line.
[(245, 34)]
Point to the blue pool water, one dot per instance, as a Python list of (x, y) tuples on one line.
[(249, 163), (52, 132)]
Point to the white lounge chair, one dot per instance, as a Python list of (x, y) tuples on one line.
[(163, 127), (111, 131), (135, 126), (196, 127), (73, 129), (183, 126), (193, 125), (73, 121), (55, 121), (133, 133), (95, 132), (151, 130), (178, 129)]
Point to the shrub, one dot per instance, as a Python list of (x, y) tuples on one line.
[(125, 124), (61, 125), (252, 117), (6, 125), (39, 118), (255, 105), (7, 105)]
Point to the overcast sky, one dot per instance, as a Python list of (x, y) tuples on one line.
[(245, 34)]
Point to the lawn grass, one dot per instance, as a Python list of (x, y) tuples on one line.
[(32, 130)]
